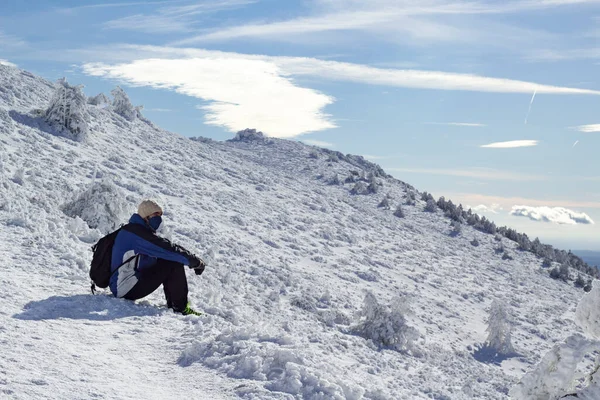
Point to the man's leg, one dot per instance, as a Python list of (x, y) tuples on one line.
[(168, 273)]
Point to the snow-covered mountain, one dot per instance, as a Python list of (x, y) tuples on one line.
[(315, 288)]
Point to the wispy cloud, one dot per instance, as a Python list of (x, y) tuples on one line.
[(512, 144), (318, 143), (557, 215), (409, 21), (468, 124), (257, 91), (588, 128), (480, 173), (575, 144), (243, 93), (113, 5), (564, 54), (173, 18), (8, 41), (158, 109)]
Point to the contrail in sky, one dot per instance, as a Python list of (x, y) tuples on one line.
[(530, 104), (575, 144)]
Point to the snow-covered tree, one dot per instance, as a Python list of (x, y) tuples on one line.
[(67, 111), (430, 206), (99, 100), (399, 211), (386, 325), (410, 198), (499, 329), (122, 105)]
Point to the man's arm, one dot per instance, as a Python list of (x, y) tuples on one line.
[(145, 242)]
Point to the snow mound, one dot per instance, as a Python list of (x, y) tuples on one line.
[(271, 359)]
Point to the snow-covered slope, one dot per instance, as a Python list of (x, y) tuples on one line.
[(292, 259)]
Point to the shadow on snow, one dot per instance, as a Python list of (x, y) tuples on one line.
[(488, 355), (96, 308)]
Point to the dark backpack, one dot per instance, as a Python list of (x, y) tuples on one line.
[(100, 272)]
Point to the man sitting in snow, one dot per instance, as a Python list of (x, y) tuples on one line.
[(151, 261)]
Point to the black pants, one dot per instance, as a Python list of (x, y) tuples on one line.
[(168, 273)]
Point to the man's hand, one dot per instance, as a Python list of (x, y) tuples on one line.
[(198, 265)]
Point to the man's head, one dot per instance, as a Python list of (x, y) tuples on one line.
[(151, 213)]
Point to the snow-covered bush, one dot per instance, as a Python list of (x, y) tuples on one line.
[(431, 206), (399, 212), (102, 206), (410, 198), (386, 325), (249, 135), (360, 188), (122, 105), (499, 329), (67, 111), (475, 242), (385, 203), (335, 180), (99, 100), (456, 228), (557, 375)]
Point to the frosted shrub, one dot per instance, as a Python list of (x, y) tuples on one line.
[(456, 228), (399, 212), (102, 206), (360, 188), (410, 198), (431, 206), (67, 111), (122, 105), (475, 242), (557, 375), (499, 329), (385, 203), (99, 100), (386, 325)]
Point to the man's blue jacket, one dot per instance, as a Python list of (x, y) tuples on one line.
[(138, 243)]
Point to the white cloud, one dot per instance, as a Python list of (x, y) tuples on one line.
[(243, 93), (468, 124), (558, 215), (511, 144), (588, 128), (492, 209), (318, 143), (254, 91), (479, 173)]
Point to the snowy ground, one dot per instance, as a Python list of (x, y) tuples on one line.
[(291, 260)]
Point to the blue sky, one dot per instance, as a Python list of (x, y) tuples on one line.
[(493, 104)]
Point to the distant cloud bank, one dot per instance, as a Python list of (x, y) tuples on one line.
[(557, 215), (511, 144), (482, 208)]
